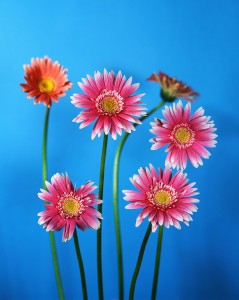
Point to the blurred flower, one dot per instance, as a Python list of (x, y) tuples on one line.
[(165, 199), (69, 207), (108, 100), (172, 89), (45, 81), (187, 137)]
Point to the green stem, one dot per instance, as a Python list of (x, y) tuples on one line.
[(51, 234), (44, 147), (116, 205), (153, 110), (139, 261), (117, 217), (157, 264), (81, 265), (99, 231)]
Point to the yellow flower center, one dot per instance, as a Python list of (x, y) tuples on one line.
[(71, 206), (110, 104), (46, 85), (183, 135), (162, 197)]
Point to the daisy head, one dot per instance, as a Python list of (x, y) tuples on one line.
[(68, 207), (109, 101), (171, 88), (164, 199), (45, 81), (187, 137)]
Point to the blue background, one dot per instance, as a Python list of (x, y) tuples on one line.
[(195, 40)]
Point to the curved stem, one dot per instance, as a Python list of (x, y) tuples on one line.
[(81, 265), (157, 264), (116, 206), (51, 234), (99, 231), (139, 261), (152, 111)]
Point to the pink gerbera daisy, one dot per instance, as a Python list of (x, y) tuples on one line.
[(69, 207), (45, 81), (108, 100), (165, 199), (171, 88), (187, 136)]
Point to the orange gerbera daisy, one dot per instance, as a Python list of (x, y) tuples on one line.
[(171, 88), (45, 81)]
